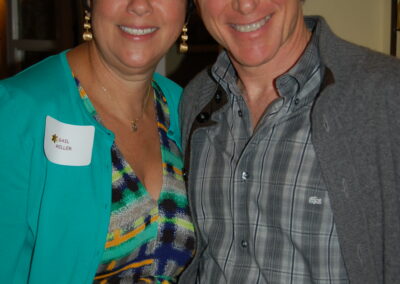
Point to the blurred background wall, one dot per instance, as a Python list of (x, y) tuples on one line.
[(365, 22)]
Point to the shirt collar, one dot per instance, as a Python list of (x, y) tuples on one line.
[(301, 72), (224, 72)]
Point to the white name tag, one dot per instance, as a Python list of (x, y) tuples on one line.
[(67, 144)]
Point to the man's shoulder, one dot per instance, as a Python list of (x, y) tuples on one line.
[(351, 60), (358, 76), (368, 67), (367, 58), (383, 64)]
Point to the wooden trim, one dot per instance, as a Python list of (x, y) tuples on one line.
[(34, 44), (9, 54), (3, 38), (66, 16), (393, 29)]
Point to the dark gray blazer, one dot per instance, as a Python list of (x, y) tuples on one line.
[(356, 135)]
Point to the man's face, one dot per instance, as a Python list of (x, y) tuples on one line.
[(254, 31)]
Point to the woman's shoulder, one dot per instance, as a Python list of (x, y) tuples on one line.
[(38, 84), (172, 93), (166, 82), (42, 74), (171, 90), (35, 92)]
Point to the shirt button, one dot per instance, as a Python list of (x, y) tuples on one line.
[(296, 101), (245, 175), (244, 244), (218, 96), (203, 117), (240, 113)]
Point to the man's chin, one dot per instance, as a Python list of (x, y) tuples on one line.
[(248, 60)]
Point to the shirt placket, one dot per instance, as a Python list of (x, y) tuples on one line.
[(241, 183), (240, 186), (245, 176)]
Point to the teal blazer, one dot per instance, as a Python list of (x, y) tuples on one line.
[(54, 218)]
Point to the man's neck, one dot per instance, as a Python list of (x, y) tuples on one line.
[(258, 82), (258, 79)]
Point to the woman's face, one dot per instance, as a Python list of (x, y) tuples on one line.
[(136, 34)]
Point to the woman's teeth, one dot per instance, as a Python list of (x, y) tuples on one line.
[(133, 31)]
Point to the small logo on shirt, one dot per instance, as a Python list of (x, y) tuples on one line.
[(315, 200)]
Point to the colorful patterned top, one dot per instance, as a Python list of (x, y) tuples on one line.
[(148, 241)]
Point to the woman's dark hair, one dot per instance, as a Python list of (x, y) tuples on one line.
[(85, 5), (189, 10)]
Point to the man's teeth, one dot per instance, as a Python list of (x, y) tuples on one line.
[(251, 27), (133, 31)]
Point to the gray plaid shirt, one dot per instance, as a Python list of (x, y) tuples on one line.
[(261, 202)]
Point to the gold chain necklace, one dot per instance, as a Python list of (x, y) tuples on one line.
[(133, 122)]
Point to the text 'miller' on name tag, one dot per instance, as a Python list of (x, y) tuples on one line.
[(67, 144)]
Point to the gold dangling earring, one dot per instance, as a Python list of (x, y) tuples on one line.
[(87, 34), (183, 47)]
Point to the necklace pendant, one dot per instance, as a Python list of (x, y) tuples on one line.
[(134, 127)]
